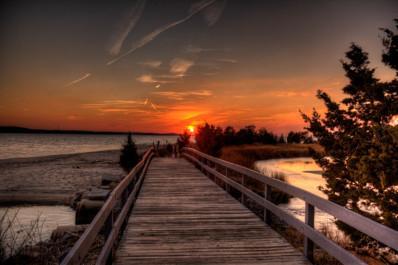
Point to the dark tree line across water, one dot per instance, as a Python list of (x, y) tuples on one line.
[(210, 138)]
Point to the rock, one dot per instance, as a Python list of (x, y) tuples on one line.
[(86, 211), (60, 231), (106, 180), (96, 194)]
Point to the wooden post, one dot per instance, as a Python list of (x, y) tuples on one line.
[(309, 220), (228, 188), (267, 196), (243, 182), (107, 231)]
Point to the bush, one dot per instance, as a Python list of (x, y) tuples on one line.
[(129, 156)]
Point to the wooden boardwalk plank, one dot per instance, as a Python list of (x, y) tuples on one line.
[(182, 217)]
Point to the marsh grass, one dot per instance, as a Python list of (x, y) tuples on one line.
[(15, 237), (247, 155)]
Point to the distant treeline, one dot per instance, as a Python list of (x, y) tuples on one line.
[(210, 139), (14, 129)]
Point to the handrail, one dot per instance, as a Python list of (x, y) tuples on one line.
[(373, 229), (126, 192)]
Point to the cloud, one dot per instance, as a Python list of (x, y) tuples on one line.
[(160, 79), (126, 26), (123, 106), (146, 79), (180, 66), (196, 8), (226, 60), (181, 95), (151, 64), (213, 13), (195, 49), (87, 75)]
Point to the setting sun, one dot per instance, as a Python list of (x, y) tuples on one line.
[(191, 129)]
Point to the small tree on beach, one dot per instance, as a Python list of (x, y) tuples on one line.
[(129, 156), (360, 162)]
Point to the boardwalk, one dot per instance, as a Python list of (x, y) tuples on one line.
[(182, 217)]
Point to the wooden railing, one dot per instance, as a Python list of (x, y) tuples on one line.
[(220, 169), (119, 201)]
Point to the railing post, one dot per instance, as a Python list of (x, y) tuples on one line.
[(243, 182), (309, 220), (227, 187), (267, 196), (107, 231)]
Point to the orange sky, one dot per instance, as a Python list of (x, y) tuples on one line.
[(63, 68)]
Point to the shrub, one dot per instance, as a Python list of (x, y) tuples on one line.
[(129, 156)]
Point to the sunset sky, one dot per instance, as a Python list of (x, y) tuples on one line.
[(159, 66)]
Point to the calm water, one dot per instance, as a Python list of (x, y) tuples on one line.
[(30, 145), (303, 173), (39, 221)]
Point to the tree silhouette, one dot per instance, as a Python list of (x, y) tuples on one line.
[(360, 161), (183, 139), (209, 139), (129, 156)]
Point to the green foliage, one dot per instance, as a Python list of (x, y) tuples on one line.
[(209, 139), (360, 159), (129, 156)]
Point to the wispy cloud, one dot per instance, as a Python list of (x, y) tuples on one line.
[(196, 49), (213, 13), (123, 106), (127, 24), (160, 79), (87, 75), (180, 66), (226, 60), (196, 8), (151, 64), (181, 95)]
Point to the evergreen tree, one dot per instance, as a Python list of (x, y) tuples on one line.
[(360, 161), (129, 156)]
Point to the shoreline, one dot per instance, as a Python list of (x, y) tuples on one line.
[(54, 179)]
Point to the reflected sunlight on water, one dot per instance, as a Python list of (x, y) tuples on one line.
[(303, 173)]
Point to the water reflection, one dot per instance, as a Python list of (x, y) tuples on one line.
[(32, 224), (303, 173)]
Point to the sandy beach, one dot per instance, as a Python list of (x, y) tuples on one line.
[(55, 179)]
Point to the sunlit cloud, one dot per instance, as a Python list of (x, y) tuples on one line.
[(180, 66), (181, 95), (152, 64), (87, 75), (196, 8), (127, 25)]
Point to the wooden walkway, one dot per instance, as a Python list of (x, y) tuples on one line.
[(182, 217)]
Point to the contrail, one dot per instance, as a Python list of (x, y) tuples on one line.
[(78, 80), (131, 20), (154, 34)]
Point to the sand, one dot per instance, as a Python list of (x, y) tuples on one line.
[(54, 179)]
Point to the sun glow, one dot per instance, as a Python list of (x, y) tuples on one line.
[(191, 129)]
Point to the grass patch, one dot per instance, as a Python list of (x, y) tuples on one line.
[(246, 155)]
